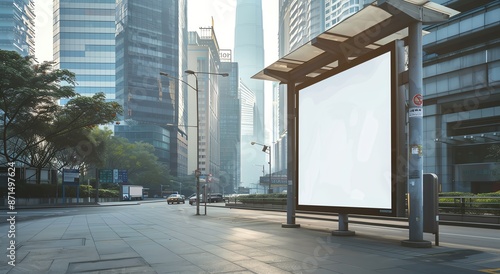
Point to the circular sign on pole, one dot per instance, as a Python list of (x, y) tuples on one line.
[(418, 100)]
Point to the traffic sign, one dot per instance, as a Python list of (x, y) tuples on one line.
[(418, 99)]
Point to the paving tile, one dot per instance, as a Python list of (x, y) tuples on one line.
[(143, 239)]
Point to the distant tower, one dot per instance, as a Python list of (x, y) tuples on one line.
[(17, 26), (249, 54)]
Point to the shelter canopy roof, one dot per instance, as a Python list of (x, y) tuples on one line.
[(377, 24)]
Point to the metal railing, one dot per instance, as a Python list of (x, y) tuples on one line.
[(470, 205)]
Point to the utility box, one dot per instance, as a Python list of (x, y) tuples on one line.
[(431, 204)]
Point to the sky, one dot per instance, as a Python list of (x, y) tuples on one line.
[(200, 13)]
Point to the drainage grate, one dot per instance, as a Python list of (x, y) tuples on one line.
[(124, 263), (53, 243)]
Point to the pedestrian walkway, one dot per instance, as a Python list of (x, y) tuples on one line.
[(161, 238)]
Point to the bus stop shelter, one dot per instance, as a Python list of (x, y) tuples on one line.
[(378, 24)]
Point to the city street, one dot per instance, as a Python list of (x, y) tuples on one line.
[(161, 238)]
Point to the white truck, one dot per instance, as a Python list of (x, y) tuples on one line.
[(132, 192)]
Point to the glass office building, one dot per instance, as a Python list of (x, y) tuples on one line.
[(462, 97), (249, 54), (84, 43), (230, 128), (17, 26), (151, 37)]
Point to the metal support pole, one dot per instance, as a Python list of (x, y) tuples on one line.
[(291, 156), (198, 171), (270, 175), (343, 226), (402, 137), (415, 154)]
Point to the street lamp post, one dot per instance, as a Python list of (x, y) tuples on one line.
[(263, 173), (196, 89), (264, 149)]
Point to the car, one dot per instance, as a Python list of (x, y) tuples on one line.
[(212, 198), (175, 198), (215, 198), (192, 199)]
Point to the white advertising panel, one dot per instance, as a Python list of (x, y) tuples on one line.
[(345, 138)]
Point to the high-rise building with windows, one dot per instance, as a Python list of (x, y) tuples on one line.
[(249, 54), (17, 26), (230, 127), (151, 37), (204, 60), (338, 10), (300, 21), (84, 43)]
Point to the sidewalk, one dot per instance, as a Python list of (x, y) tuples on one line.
[(161, 238)]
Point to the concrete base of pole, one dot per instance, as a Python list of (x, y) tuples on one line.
[(343, 233), (290, 225), (417, 244)]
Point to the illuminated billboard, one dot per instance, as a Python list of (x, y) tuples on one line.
[(346, 137)]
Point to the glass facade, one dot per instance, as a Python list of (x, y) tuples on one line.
[(84, 43), (230, 128), (249, 54), (300, 21), (338, 10), (151, 37), (17, 26), (462, 107)]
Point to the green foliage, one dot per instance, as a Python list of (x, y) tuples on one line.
[(469, 203), (109, 193), (143, 167), (24, 190), (455, 194), (273, 198), (34, 126)]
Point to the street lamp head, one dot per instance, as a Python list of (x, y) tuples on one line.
[(224, 74), (164, 74), (253, 143)]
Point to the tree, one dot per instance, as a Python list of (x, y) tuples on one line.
[(104, 151), (30, 118), (143, 167)]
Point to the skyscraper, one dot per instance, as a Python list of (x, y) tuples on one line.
[(151, 37), (205, 61), (17, 26), (84, 43), (249, 54), (338, 10), (300, 21), (230, 127)]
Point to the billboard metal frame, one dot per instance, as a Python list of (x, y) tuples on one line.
[(388, 48)]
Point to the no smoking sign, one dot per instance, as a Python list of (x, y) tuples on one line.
[(418, 100)]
